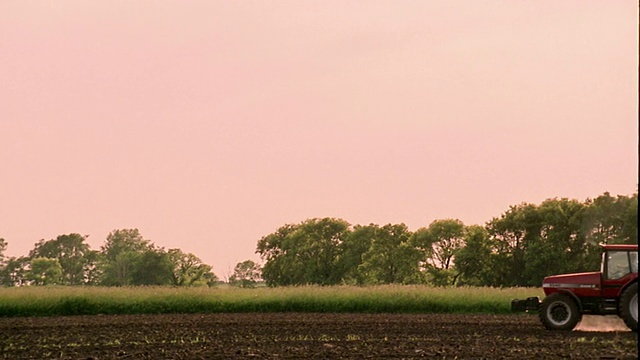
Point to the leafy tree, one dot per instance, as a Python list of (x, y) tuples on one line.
[(354, 247), (509, 234), (73, 254), (92, 270), (120, 256), (630, 225), (246, 274), (14, 270), (280, 264), (306, 253), (44, 271), (321, 240), (441, 240), (446, 237), (560, 246), (124, 240), (3, 248), (532, 242), (609, 220), (473, 260), (188, 270), (391, 259), (118, 271), (152, 267)]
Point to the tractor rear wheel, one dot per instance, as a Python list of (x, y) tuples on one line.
[(559, 312), (629, 307)]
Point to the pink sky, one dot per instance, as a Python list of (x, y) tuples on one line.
[(209, 124)]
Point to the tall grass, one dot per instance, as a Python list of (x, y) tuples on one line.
[(50, 301)]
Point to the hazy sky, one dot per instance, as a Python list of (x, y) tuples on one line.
[(209, 124)]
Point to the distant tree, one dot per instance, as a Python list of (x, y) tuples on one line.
[(275, 250), (534, 241), (446, 237), (73, 254), (123, 240), (391, 259), (630, 226), (608, 220), (14, 270), (509, 234), (560, 246), (44, 271), (152, 267), (306, 253), (119, 256), (473, 260), (189, 270), (3, 248), (354, 247), (92, 269), (439, 244), (611, 220), (318, 243), (246, 274)]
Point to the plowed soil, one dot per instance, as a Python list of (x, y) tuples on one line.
[(297, 336)]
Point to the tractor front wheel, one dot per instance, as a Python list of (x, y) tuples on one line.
[(629, 307), (559, 312)]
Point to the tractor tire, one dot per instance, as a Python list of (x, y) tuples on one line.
[(559, 312), (629, 307)]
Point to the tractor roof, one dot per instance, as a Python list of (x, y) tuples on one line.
[(620, 247)]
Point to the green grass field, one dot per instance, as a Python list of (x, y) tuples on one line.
[(52, 301)]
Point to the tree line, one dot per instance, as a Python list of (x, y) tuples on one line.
[(518, 248), (125, 259)]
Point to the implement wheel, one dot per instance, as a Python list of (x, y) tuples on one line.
[(559, 312), (629, 307)]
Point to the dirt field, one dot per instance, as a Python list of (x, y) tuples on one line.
[(295, 336)]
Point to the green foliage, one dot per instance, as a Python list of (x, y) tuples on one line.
[(557, 245), (473, 261), (439, 244), (116, 270), (518, 248), (73, 254), (354, 247), (246, 274), (3, 248), (120, 255), (391, 258), (51, 301), (445, 238), (274, 249), (307, 253), (125, 259), (558, 236), (13, 272), (44, 271), (189, 270), (152, 267)]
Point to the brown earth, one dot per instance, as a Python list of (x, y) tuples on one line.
[(296, 336)]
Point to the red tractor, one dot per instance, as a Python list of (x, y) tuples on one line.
[(611, 291)]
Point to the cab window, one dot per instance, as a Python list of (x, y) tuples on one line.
[(633, 258), (618, 264)]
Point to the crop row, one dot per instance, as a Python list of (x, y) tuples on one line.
[(51, 301)]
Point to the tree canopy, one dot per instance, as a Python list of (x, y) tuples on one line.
[(125, 259), (517, 248)]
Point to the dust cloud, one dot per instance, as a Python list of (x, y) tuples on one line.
[(601, 323)]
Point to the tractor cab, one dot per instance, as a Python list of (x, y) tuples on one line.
[(619, 267)]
